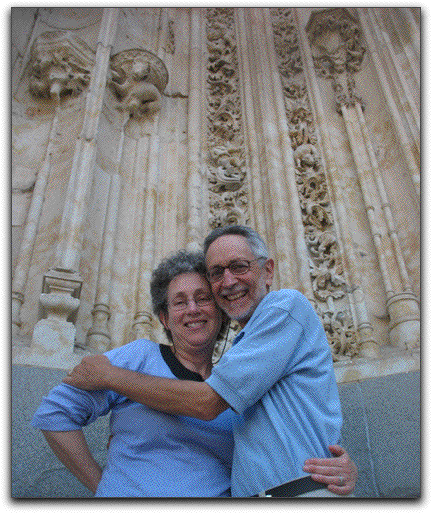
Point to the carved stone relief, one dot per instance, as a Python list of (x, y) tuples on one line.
[(226, 155), (170, 43), (60, 65), (326, 272), (138, 79), (338, 52)]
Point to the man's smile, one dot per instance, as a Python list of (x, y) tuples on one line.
[(233, 296)]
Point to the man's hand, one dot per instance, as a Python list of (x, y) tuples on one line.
[(90, 374), (339, 473)]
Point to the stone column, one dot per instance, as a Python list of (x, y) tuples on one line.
[(339, 58), (414, 29), (60, 298), (404, 95), (402, 305), (297, 232), (257, 201), (70, 237), (98, 336), (50, 76), (31, 227), (278, 175), (398, 124), (195, 103), (139, 78), (384, 203), (357, 149), (411, 48), (142, 325)]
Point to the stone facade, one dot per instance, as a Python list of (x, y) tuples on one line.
[(137, 130)]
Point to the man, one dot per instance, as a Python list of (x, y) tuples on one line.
[(278, 377)]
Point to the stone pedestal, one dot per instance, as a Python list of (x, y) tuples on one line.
[(404, 326), (53, 337), (60, 301)]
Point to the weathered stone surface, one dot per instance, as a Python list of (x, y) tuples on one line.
[(315, 154)]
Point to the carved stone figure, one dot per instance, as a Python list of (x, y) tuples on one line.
[(335, 37), (341, 334), (138, 79), (286, 43), (326, 282), (227, 173), (306, 156), (60, 65)]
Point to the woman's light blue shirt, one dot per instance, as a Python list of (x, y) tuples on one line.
[(151, 454)]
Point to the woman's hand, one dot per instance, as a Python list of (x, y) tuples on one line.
[(72, 450), (338, 473)]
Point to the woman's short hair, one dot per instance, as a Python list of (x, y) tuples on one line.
[(172, 266), (256, 243)]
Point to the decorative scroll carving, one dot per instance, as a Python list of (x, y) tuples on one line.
[(326, 271), (286, 44), (335, 37), (170, 45), (341, 334), (60, 65), (226, 160), (138, 79)]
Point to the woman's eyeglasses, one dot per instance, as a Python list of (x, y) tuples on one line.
[(182, 303)]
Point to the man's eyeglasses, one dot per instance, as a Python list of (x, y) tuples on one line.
[(237, 267)]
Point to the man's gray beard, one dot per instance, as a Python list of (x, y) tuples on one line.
[(244, 317)]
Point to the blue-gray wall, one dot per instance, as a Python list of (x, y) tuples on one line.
[(381, 432)]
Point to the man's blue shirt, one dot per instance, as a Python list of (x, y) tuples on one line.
[(279, 378)]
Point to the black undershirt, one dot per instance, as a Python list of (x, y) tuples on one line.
[(179, 370)]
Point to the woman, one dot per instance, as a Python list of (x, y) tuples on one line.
[(152, 454)]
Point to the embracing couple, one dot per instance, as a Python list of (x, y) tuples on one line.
[(264, 422)]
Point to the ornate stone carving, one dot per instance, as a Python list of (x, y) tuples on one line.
[(286, 44), (341, 334), (60, 65), (326, 272), (227, 172), (170, 45), (226, 161), (138, 79), (335, 38)]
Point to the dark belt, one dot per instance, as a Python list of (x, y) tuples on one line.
[(293, 488)]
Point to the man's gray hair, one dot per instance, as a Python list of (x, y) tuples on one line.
[(256, 243), (176, 264)]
